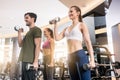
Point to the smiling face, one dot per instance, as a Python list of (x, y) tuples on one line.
[(28, 20), (73, 13), (46, 32)]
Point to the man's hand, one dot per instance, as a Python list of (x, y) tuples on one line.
[(35, 64), (20, 30)]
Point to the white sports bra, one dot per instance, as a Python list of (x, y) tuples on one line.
[(75, 33)]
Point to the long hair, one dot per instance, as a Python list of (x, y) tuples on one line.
[(78, 10), (51, 32)]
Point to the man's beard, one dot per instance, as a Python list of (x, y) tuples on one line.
[(28, 24)]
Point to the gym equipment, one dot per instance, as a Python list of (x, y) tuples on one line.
[(102, 71), (31, 67), (61, 70), (104, 64), (116, 65), (57, 19), (16, 28)]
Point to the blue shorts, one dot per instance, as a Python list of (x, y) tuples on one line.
[(75, 63)]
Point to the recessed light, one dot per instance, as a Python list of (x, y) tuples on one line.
[(0, 26)]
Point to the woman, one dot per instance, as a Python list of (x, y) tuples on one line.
[(75, 34), (48, 54)]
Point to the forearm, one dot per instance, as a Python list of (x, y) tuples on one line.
[(92, 56), (52, 57), (19, 39), (55, 32), (37, 51), (41, 50), (90, 50)]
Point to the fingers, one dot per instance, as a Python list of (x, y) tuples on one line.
[(92, 64), (20, 30), (36, 68)]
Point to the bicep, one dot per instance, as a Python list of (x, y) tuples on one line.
[(37, 36)]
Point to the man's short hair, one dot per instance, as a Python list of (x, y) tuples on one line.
[(32, 15)]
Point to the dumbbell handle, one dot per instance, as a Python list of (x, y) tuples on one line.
[(57, 19), (17, 28), (105, 64), (30, 66), (87, 66)]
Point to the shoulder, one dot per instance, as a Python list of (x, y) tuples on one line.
[(82, 24), (51, 40), (37, 29), (83, 27), (37, 32)]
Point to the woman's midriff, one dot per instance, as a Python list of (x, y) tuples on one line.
[(74, 45), (46, 52)]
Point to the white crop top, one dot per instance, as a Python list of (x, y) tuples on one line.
[(75, 33)]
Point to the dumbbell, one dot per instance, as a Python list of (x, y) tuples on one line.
[(86, 66), (17, 28), (31, 67), (116, 65), (57, 19)]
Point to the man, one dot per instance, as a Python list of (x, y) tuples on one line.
[(30, 46)]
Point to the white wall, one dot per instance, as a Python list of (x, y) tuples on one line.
[(112, 18)]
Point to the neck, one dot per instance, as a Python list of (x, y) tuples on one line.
[(32, 25), (48, 37), (75, 21)]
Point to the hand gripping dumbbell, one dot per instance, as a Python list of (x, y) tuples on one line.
[(57, 19), (86, 66), (17, 28), (31, 67)]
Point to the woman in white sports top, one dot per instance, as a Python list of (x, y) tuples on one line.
[(75, 34)]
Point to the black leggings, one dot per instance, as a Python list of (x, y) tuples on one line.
[(75, 63)]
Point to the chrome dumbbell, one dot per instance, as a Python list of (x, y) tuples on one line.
[(115, 64), (17, 28), (31, 67), (57, 19)]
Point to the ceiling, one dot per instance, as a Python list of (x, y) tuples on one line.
[(12, 12), (85, 5)]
